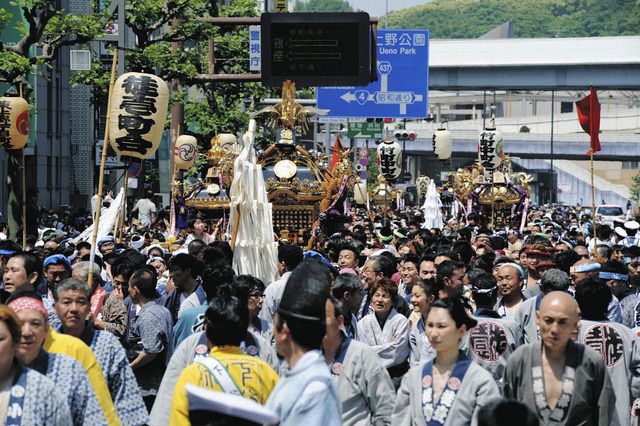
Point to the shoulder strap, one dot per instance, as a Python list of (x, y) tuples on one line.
[(220, 374)]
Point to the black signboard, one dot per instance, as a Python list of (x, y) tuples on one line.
[(316, 49)]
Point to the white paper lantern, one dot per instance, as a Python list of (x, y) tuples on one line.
[(389, 158), (14, 122), (442, 143), (360, 193), (490, 148), (185, 152), (138, 114)]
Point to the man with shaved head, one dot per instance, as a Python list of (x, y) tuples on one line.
[(564, 382)]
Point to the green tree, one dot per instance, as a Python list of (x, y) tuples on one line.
[(544, 18), (210, 107), (322, 6), (635, 189), (49, 28)]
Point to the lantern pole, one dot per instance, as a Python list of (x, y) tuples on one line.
[(103, 159), (24, 196), (119, 224)]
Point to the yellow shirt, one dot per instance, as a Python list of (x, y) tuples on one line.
[(254, 378), (68, 345)]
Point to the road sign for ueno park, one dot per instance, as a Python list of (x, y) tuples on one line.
[(364, 130), (402, 87)]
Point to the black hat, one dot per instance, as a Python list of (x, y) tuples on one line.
[(306, 292)]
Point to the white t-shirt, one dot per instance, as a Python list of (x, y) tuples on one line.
[(145, 208)]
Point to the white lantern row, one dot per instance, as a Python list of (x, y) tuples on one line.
[(442, 143)]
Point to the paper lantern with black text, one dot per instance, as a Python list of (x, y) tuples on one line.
[(14, 122), (138, 114), (490, 148), (389, 158), (185, 152)]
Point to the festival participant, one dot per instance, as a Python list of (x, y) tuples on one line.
[(7, 249), (150, 342), (347, 288), (183, 271), (448, 389), (198, 232), (23, 272), (348, 257), (427, 267), (197, 344), (514, 244), (99, 295), (616, 344), (26, 396), (385, 330), (65, 372), (615, 275), (72, 306), (449, 274), (510, 278), (494, 338), (423, 294), (582, 251), (56, 268), (410, 275), (566, 382), (525, 315), (106, 245), (536, 253), (226, 368), (602, 253), (146, 209), (289, 256), (305, 395), (363, 384)]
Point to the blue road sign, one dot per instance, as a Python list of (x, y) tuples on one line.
[(403, 81)]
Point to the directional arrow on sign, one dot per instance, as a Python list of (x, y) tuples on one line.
[(382, 97)]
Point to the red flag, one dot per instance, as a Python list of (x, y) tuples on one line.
[(589, 117), (335, 157)]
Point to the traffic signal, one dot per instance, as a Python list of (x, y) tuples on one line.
[(403, 135), (374, 120)]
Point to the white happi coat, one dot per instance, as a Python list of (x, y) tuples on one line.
[(525, 317), (391, 343), (476, 388), (364, 386), (620, 349), (419, 346), (491, 342)]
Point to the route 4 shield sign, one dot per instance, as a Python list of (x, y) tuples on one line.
[(403, 80)]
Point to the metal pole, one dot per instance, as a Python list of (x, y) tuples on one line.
[(553, 188), (386, 13), (484, 110)]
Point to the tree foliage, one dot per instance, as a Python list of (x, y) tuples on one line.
[(635, 190), (322, 6), (48, 28), (543, 18)]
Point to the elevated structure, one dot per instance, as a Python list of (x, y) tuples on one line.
[(535, 64)]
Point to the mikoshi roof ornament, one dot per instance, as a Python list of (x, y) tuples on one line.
[(138, 113), (442, 142), (14, 122)]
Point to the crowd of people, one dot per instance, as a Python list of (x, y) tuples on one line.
[(386, 323)]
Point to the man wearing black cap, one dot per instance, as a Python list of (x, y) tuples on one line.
[(305, 395)]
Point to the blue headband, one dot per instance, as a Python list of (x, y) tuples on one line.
[(585, 268), (55, 259), (613, 276), (7, 252), (516, 266)]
